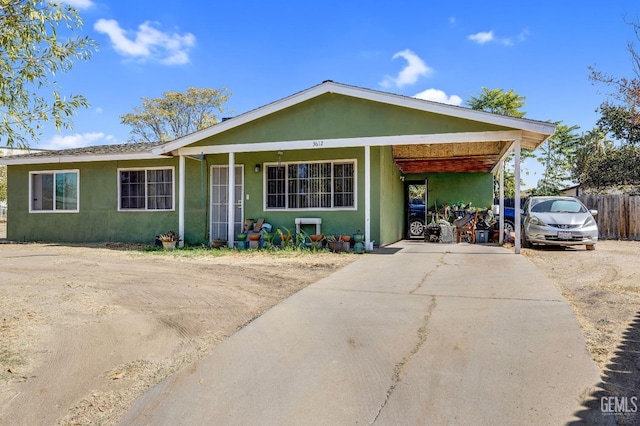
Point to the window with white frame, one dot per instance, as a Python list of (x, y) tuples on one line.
[(146, 189), (54, 191), (314, 185)]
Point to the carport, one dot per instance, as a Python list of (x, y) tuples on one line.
[(474, 152)]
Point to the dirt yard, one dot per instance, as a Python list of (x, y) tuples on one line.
[(603, 287), (85, 330)]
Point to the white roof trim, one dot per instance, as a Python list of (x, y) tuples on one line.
[(81, 158), (367, 94), (467, 137)]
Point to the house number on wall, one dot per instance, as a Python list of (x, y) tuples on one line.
[(317, 144)]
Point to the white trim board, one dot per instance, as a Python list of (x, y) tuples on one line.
[(466, 137), (82, 158)]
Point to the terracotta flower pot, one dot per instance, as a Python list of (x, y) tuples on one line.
[(316, 238), (254, 237), (169, 245)]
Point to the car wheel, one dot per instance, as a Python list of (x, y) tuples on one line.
[(591, 246), (524, 242), (508, 226), (416, 228)]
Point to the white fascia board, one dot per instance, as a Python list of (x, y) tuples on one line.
[(366, 94), (468, 137), (81, 158)]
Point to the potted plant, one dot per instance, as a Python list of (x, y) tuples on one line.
[(241, 241), (286, 237), (218, 242), (336, 244), (358, 238), (317, 241), (267, 237), (169, 240), (346, 241), (254, 240)]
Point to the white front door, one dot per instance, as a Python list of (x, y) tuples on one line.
[(220, 201)]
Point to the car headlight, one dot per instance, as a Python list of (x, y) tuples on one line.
[(535, 221), (589, 222)]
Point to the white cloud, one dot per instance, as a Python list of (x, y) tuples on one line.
[(149, 43), (489, 37), (79, 140), (481, 37), (79, 4), (439, 96), (415, 69), (452, 20), (523, 35)]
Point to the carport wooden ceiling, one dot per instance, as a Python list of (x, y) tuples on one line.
[(449, 157)]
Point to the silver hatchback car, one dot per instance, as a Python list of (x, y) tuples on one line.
[(558, 221)]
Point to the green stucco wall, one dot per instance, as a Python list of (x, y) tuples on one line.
[(474, 188), (391, 200), (337, 116), (98, 218), (333, 222)]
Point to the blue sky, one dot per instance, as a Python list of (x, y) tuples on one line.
[(264, 51)]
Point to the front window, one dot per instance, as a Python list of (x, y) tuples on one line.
[(54, 191), (318, 185), (146, 189)]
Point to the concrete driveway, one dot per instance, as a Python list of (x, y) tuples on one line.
[(414, 334)]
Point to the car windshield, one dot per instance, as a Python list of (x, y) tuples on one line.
[(557, 206)]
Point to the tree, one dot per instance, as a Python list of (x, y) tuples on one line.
[(621, 122), (499, 101), (175, 114), (600, 164), (620, 116), (31, 53), (557, 156)]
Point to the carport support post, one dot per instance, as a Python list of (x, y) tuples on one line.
[(368, 245), (181, 186), (231, 200), (516, 203), (501, 202)]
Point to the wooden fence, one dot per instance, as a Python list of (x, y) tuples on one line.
[(618, 215)]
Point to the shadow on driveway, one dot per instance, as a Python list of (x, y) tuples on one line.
[(618, 399)]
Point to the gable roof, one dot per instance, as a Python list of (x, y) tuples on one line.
[(534, 132)]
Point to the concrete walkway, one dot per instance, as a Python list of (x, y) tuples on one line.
[(416, 334)]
